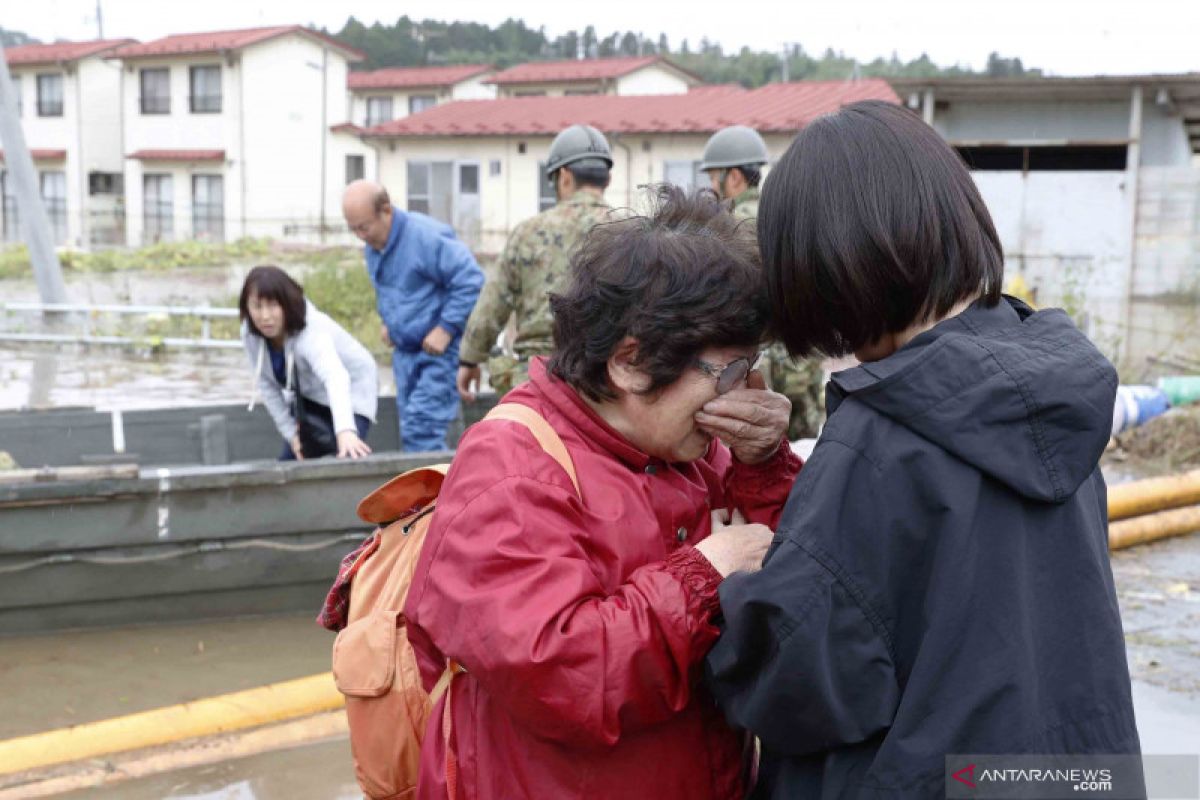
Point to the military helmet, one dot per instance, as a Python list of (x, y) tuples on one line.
[(581, 145), (735, 146)]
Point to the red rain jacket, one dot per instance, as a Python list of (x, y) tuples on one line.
[(582, 626)]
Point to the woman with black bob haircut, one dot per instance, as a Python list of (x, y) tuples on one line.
[(582, 619), (939, 584), (317, 381)]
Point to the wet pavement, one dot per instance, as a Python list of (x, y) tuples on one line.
[(319, 771)]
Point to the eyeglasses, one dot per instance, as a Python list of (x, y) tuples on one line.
[(729, 375)]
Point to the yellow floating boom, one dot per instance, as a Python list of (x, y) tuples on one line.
[(1153, 494), (228, 712)]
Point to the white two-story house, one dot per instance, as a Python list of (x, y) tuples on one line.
[(233, 133), (635, 75), (383, 95), (68, 103)]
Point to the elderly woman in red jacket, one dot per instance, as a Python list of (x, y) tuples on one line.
[(582, 620)]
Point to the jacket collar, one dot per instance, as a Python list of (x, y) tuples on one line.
[(582, 198), (397, 230), (591, 426), (977, 319)]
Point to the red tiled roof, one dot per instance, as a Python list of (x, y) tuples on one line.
[(32, 54), (409, 77), (346, 127), (178, 155), (217, 41), (43, 155), (592, 69), (777, 107)]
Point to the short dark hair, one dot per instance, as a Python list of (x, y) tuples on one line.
[(590, 175), (684, 278), (869, 224), (271, 283)]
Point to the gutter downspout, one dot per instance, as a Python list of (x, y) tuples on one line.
[(1133, 164), (620, 142), (81, 181), (241, 68), (324, 135)]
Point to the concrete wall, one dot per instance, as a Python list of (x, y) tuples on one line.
[(101, 216)]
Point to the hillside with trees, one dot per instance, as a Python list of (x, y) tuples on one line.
[(410, 43)]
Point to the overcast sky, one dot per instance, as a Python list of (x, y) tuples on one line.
[(1065, 37)]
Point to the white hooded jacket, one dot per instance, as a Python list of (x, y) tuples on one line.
[(326, 364)]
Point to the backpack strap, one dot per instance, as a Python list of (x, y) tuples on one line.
[(546, 436)]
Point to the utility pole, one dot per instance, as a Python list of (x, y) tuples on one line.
[(35, 225), (783, 61), (99, 21)]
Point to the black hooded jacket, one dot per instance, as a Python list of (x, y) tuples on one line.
[(940, 582)]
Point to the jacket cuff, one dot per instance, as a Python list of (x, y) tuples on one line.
[(454, 329), (783, 461), (700, 580), (470, 354)]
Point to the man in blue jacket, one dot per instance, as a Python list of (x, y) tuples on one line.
[(426, 283)]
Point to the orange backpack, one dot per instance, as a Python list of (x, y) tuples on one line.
[(373, 664)]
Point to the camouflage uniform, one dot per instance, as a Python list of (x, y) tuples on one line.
[(802, 382), (535, 262)]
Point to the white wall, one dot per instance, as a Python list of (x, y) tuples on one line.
[(654, 79), (474, 89), (56, 133), (100, 132), (554, 89)]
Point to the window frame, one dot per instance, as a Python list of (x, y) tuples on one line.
[(55, 205), (47, 108), (204, 103), (144, 106), (208, 226), (164, 229), (355, 174), (547, 195), (427, 101), (375, 100)]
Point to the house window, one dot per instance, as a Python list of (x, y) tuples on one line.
[(530, 93), (205, 85), (106, 183), (208, 208), (547, 198), (419, 102), (156, 90), (50, 95), (54, 197), (16, 84), (580, 92), (356, 168), (158, 208), (10, 222), (494, 167), (685, 174), (379, 110), (431, 188)]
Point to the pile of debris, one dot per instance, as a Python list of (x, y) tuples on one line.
[(1171, 440)]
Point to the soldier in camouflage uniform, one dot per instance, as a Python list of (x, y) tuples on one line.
[(535, 262), (733, 159)]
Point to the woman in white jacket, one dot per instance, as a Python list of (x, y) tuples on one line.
[(295, 349)]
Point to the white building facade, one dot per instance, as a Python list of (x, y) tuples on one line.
[(235, 134), (68, 103), (383, 95)]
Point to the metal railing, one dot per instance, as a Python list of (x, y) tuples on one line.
[(205, 313)]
